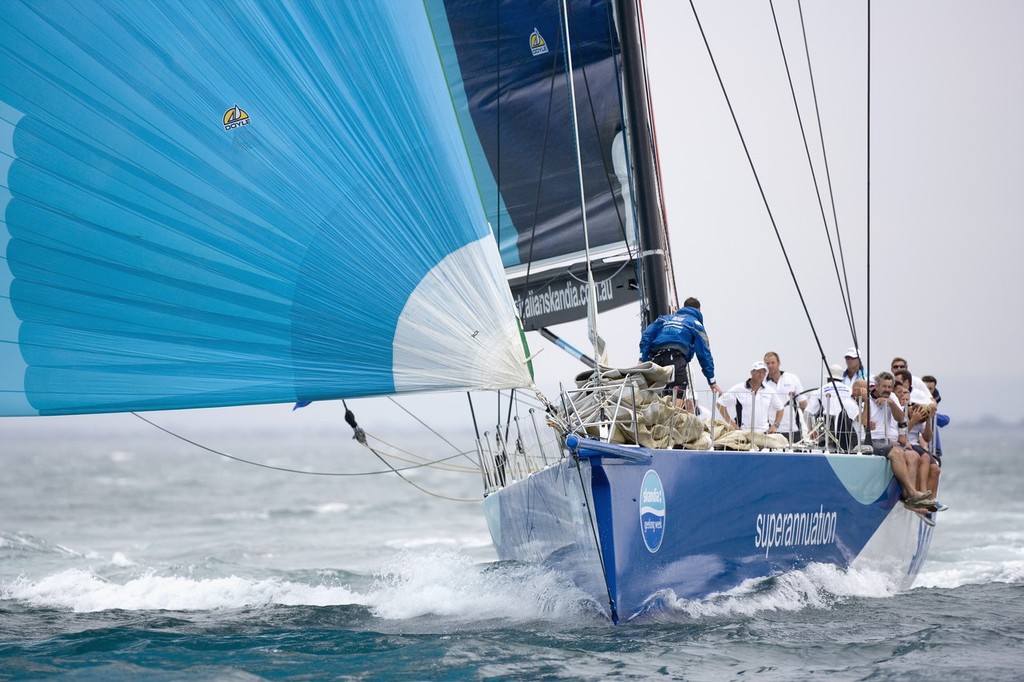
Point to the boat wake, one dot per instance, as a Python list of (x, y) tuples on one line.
[(451, 585), (441, 583), (817, 586)]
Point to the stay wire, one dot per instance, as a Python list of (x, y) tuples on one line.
[(242, 460), (360, 435), (428, 428), (845, 284), (867, 182), (810, 162), (760, 187)]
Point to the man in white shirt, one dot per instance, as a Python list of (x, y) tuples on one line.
[(916, 383), (754, 405), (790, 390), (884, 420)]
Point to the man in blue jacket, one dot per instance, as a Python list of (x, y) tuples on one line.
[(674, 339)]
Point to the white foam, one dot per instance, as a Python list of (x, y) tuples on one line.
[(971, 573), (119, 559), (447, 583), (83, 591), (815, 586), (446, 541), (441, 582)]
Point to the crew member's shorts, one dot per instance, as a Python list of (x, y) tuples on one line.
[(673, 358)]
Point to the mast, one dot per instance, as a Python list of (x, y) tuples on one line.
[(653, 258)]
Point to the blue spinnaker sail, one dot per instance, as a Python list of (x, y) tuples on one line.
[(210, 203)]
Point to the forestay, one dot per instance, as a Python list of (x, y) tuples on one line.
[(215, 204)]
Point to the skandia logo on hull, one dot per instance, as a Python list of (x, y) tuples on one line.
[(794, 529), (652, 511), (235, 118)]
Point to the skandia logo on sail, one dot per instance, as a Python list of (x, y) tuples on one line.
[(538, 45), (235, 118), (789, 529), (571, 295), (652, 510)]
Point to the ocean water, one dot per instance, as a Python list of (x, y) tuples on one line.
[(127, 554)]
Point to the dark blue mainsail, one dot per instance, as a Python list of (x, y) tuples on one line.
[(507, 68)]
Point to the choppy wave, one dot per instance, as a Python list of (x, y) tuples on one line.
[(30, 544), (441, 583), (815, 586), (447, 583), (84, 591)]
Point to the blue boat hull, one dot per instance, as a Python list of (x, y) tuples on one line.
[(628, 524)]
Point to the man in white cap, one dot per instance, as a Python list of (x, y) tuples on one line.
[(754, 405), (854, 367)]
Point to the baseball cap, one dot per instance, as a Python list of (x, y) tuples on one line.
[(851, 353), (759, 365)]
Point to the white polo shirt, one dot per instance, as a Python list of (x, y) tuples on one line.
[(788, 383), (758, 409), (886, 429)]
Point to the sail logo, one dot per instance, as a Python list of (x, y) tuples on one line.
[(652, 510), (538, 45), (235, 118), (572, 295)]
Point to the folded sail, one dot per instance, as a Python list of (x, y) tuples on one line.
[(506, 65), (207, 204)]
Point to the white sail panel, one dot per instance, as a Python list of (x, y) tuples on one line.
[(463, 337)]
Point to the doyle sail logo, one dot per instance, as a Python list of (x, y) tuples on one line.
[(538, 45), (652, 510), (235, 118)]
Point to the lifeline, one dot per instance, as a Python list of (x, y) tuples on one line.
[(787, 530)]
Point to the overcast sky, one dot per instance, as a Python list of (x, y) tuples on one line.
[(947, 172)]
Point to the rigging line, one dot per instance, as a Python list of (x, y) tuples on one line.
[(284, 469), (867, 182), (596, 341), (497, 111), (571, 82), (659, 185), (398, 472), (543, 159), (597, 541), (845, 285), (622, 267), (412, 458), (428, 428), (604, 159), (810, 162), (760, 187), (508, 419)]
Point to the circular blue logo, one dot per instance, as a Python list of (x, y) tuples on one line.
[(652, 510)]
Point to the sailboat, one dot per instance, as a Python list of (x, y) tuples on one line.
[(211, 205)]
